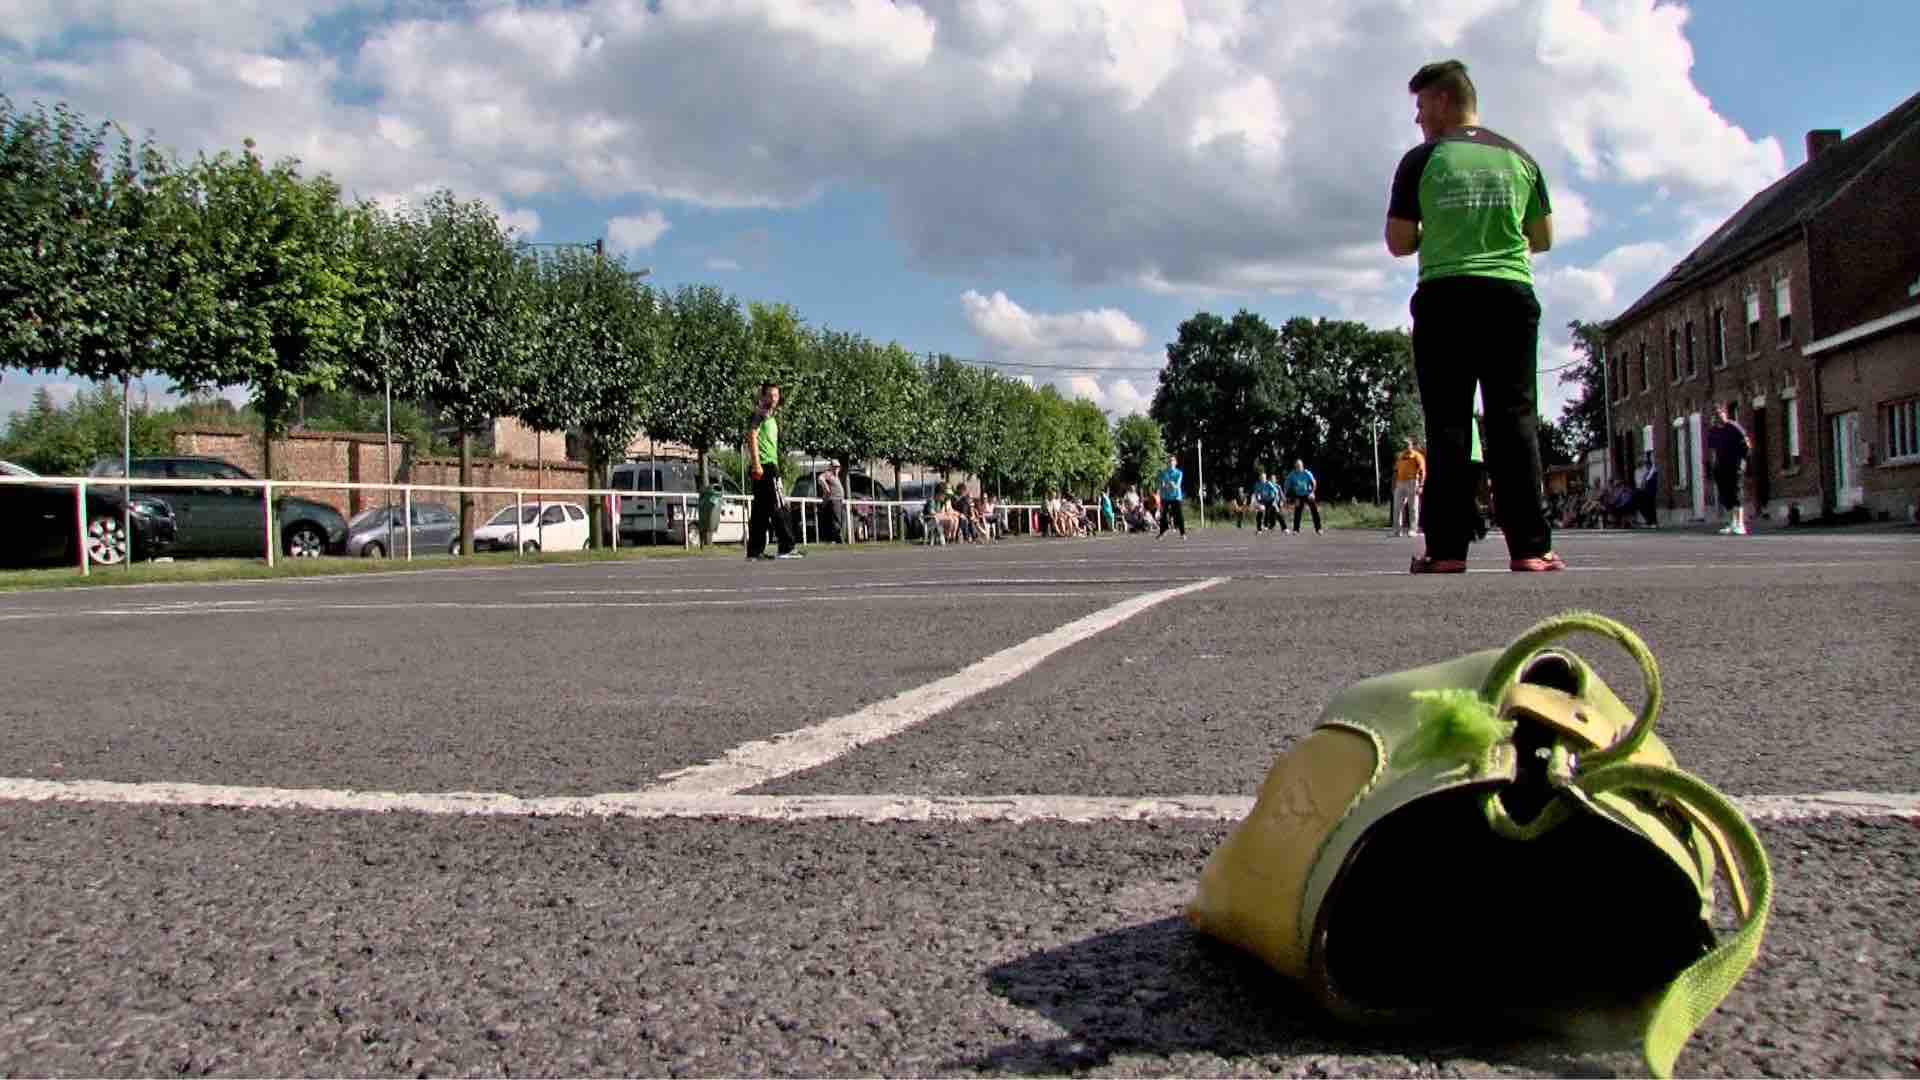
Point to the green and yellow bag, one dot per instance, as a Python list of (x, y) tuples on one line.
[(1496, 837)]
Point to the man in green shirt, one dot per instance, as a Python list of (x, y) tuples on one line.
[(763, 454), (1474, 207)]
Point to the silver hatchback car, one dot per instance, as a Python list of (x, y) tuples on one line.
[(380, 532)]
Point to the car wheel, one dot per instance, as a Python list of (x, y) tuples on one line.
[(106, 540), (305, 541), (531, 547), (373, 550)]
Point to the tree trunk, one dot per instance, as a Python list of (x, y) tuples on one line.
[(596, 535), (466, 497)]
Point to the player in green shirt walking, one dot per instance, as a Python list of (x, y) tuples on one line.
[(763, 452), (1474, 206)]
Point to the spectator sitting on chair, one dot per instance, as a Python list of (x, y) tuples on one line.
[(963, 515)]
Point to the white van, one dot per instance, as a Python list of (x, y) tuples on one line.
[(662, 521)]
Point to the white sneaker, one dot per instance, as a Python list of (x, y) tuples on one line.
[(1740, 530), (1726, 530)]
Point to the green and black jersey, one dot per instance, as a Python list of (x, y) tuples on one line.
[(1473, 193)]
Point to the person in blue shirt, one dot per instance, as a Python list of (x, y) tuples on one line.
[(1171, 512), (1266, 506), (1303, 489)]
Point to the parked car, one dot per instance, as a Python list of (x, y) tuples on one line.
[(217, 518), (41, 529), (858, 486), (552, 526), (382, 531), (660, 521)]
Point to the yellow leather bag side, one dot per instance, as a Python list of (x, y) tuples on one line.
[(1252, 888)]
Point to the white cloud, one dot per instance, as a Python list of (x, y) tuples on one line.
[(1006, 325), (1227, 145), (637, 233), (723, 265), (1071, 350)]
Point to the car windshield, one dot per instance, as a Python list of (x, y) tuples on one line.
[(8, 468), (505, 516), (369, 519)]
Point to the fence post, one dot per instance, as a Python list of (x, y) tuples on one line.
[(266, 504), (519, 516), (80, 526), (406, 499)]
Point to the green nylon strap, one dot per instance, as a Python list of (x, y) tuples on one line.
[(1506, 671), (1697, 991)]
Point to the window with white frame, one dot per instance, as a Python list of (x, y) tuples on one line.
[(1673, 354), (1682, 454), (1643, 367), (1692, 368), (1717, 341), (1753, 321), (1790, 422), (1783, 307), (1900, 421)]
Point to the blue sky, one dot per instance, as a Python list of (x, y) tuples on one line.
[(1023, 182)]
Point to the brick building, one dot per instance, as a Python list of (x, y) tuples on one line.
[(1798, 314)]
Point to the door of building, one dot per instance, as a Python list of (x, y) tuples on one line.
[(1847, 492), (1757, 461)]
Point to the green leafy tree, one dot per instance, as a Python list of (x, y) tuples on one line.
[(960, 417), (704, 384), (279, 256), (454, 331), (99, 276), (590, 357), (1584, 419), (1139, 451), (66, 441), (1225, 385), (1347, 377), (1090, 449)]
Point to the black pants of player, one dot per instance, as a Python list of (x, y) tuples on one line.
[(1267, 517), (1171, 513), (1726, 485), (1643, 502), (767, 514), (1306, 502), (1480, 332)]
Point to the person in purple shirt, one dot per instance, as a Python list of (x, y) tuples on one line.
[(1727, 447)]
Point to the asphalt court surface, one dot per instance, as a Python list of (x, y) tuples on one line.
[(160, 940)]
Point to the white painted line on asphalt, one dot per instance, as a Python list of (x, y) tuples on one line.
[(276, 607), (868, 808), (761, 760)]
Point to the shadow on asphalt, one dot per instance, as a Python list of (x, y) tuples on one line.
[(1159, 990)]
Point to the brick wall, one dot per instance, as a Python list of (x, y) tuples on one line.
[(495, 472), (1866, 243), (1865, 377), (1758, 375), (344, 457)]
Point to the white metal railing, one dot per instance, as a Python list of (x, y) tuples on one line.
[(612, 504)]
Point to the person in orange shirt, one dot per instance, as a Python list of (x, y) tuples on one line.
[(1409, 479)]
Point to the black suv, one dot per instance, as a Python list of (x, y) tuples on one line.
[(215, 518)]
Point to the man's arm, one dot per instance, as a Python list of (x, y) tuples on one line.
[(753, 451), (1540, 234), (1403, 236)]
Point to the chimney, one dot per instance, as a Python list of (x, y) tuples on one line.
[(1821, 140)]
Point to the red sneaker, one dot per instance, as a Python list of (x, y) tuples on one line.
[(1423, 564), (1538, 564)]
